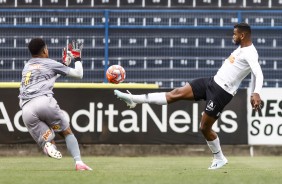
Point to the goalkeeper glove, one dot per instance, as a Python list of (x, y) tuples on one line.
[(66, 57), (75, 48)]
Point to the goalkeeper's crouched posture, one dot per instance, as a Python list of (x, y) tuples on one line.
[(40, 112)]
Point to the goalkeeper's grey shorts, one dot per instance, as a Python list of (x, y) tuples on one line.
[(42, 116)]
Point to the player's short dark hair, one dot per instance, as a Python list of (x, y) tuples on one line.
[(243, 27), (36, 45)]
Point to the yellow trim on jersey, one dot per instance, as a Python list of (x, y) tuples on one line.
[(89, 85)]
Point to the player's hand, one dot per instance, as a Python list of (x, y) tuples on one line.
[(75, 48), (256, 101), (66, 57)]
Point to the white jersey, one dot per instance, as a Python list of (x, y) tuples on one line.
[(240, 63)]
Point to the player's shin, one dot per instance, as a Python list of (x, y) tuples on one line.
[(73, 147), (153, 98)]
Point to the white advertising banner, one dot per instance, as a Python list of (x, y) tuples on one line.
[(265, 126)]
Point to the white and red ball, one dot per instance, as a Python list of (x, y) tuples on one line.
[(115, 74)]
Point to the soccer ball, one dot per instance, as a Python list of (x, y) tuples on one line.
[(115, 74)]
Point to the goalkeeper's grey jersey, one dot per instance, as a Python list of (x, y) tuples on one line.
[(39, 76)]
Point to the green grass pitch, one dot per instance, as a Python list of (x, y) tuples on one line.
[(147, 170)]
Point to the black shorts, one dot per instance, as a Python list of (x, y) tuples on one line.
[(216, 98)]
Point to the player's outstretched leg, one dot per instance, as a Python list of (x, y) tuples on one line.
[(51, 150), (151, 98), (126, 98)]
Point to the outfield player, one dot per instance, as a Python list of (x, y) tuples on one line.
[(40, 112), (217, 91)]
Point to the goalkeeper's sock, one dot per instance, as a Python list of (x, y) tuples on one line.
[(153, 98), (73, 147), (215, 148)]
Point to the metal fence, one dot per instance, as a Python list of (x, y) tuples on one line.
[(167, 47), (144, 4)]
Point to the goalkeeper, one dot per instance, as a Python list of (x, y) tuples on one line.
[(40, 112)]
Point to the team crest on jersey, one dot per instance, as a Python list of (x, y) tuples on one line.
[(210, 106), (56, 127)]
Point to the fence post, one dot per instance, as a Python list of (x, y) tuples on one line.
[(106, 53)]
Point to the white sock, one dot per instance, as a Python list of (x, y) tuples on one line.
[(79, 162), (154, 98), (215, 148)]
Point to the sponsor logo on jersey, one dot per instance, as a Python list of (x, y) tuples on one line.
[(210, 106), (231, 59)]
